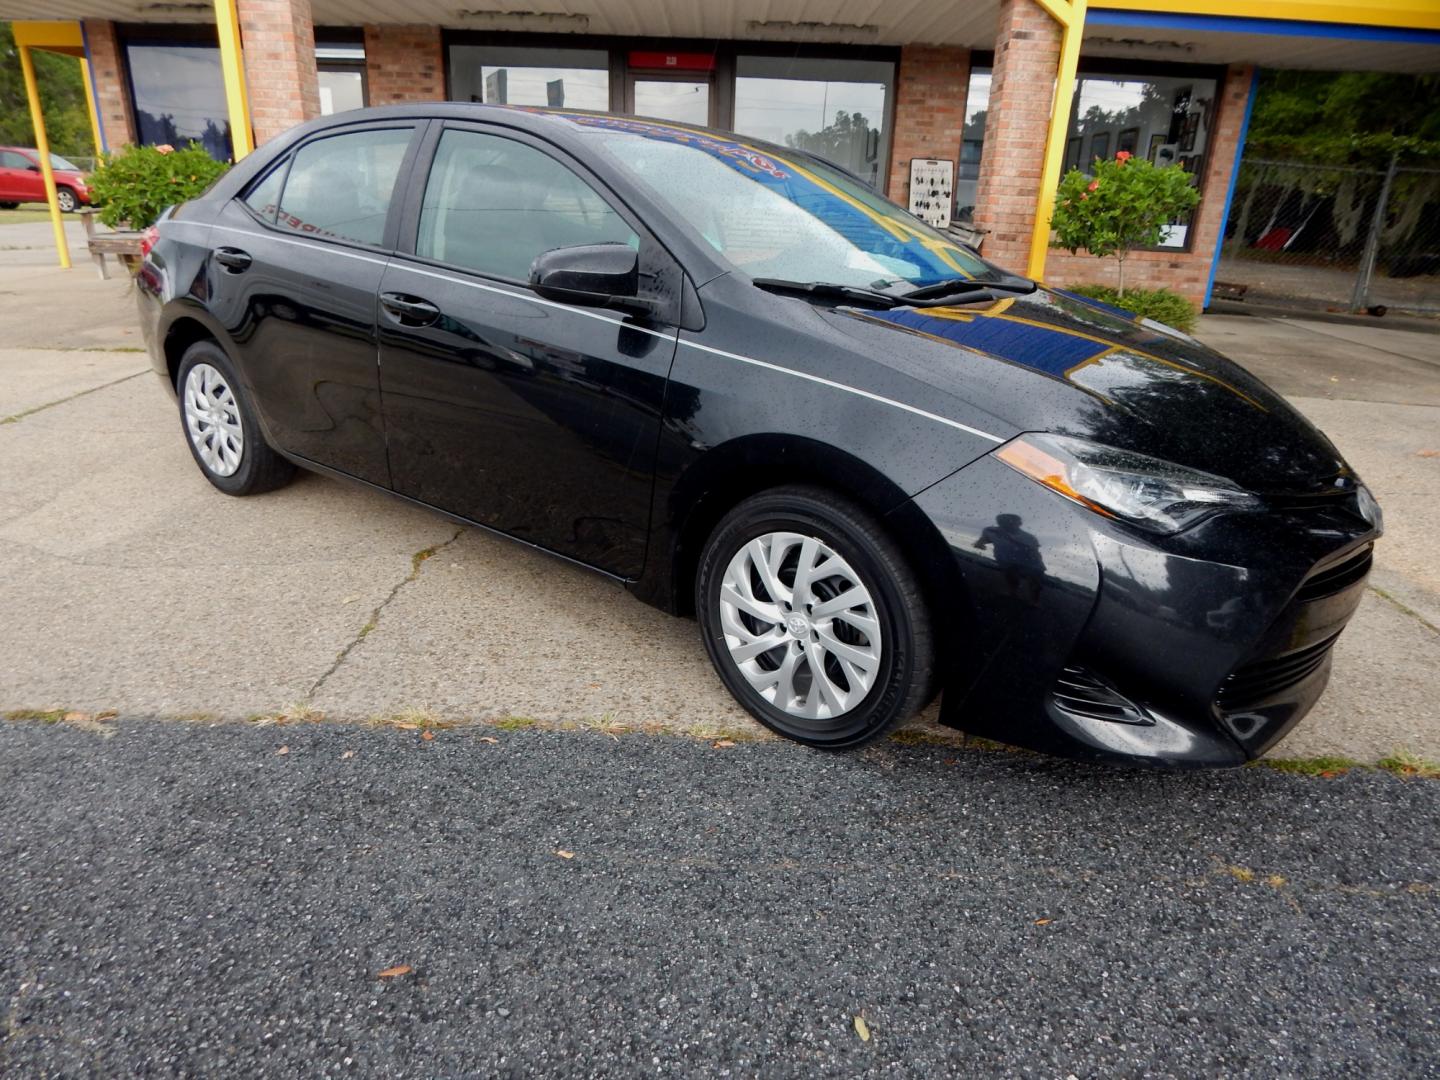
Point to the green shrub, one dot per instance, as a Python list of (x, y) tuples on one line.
[(1125, 204), (1162, 305), (134, 186)]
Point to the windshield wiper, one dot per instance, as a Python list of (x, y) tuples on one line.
[(964, 291), (855, 293), (1015, 286)]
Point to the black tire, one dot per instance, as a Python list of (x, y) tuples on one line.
[(260, 468), (904, 680), (67, 199), (8, 205)]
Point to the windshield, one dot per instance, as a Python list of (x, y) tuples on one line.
[(784, 216), (58, 162)]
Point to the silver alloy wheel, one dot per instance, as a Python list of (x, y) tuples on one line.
[(65, 200), (800, 625), (213, 420)]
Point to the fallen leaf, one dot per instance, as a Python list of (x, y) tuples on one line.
[(108, 714), (1428, 453), (722, 744), (564, 854), (347, 755), (76, 717), (394, 972), (283, 750), (862, 1029), (351, 599), (592, 686), (1042, 922), (428, 736), (408, 727), (490, 739)]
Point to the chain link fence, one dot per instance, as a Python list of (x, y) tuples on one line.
[(1333, 237)]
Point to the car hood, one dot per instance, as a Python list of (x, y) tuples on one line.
[(1054, 361)]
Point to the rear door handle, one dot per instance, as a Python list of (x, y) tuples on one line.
[(233, 258), (409, 310)]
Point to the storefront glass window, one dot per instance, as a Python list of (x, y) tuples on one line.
[(1165, 119), (972, 140), (341, 69), (569, 78), (833, 108), (179, 96)]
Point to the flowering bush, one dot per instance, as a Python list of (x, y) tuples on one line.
[(133, 187), (1125, 204)]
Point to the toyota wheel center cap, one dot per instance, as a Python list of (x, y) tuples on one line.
[(798, 624)]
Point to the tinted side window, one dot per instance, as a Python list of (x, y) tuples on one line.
[(492, 204), (11, 160), (264, 197), (341, 186)]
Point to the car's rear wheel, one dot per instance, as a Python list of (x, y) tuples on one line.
[(66, 199), (813, 619), (220, 426)]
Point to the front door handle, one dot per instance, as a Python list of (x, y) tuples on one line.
[(233, 258), (409, 310)]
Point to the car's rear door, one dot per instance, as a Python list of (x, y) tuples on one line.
[(20, 178), (296, 264), (533, 417)]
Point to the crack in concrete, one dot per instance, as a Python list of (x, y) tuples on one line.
[(15, 418), (1405, 609), (416, 562)]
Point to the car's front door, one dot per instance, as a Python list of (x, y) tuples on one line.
[(533, 417), (296, 265)]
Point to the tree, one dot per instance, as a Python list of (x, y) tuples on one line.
[(1344, 117), (62, 96), (1124, 205)]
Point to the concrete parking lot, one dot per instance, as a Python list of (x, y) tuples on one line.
[(130, 584)]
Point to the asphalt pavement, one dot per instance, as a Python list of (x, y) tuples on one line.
[(223, 900)]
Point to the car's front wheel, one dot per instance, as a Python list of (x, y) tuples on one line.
[(813, 619), (220, 426), (66, 199)]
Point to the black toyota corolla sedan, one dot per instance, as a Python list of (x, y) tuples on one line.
[(874, 466)]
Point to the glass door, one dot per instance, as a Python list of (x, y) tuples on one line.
[(686, 99)]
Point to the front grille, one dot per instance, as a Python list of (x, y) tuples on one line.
[(1254, 682), (1082, 693), (1336, 578)]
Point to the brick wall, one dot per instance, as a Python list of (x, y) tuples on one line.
[(1027, 53), (929, 110), (278, 41), (404, 63), (111, 96), (1187, 272)]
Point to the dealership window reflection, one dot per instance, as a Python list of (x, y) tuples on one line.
[(831, 107), (179, 96), (561, 78), (972, 141), (1165, 119)]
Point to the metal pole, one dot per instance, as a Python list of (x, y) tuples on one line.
[(1071, 17), (1360, 300), (232, 69), (42, 149)]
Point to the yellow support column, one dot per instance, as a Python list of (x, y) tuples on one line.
[(90, 104), (232, 67), (1070, 14), (42, 147)]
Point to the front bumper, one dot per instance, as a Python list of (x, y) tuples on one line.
[(1106, 643)]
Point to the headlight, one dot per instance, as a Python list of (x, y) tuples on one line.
[(1141, 490)]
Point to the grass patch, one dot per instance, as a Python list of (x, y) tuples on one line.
[(45, 716), (299, 713), (414, 718), (1407, 765), (515, 723), (20, 215)]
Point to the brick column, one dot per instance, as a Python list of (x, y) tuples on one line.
[(1027, 54), (1186, 272), (930, 94), (278, 41), (112, 98), (404, 63)]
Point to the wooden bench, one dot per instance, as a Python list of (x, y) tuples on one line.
[(125, 246)]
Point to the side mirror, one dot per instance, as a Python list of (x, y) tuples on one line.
[(32, 167), (600, 275)]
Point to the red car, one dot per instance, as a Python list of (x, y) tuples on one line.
[(20, 179)]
